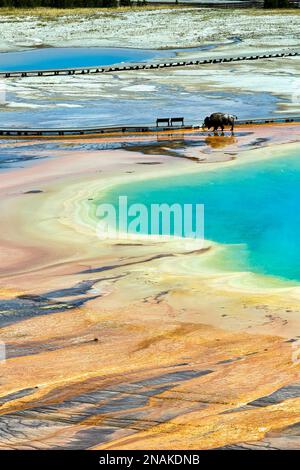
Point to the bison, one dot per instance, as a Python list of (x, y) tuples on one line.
[(217, 120)]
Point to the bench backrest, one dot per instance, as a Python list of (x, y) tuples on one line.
[(162, 121), (177, 119)]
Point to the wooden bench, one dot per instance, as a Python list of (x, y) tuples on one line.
[(177, 120), (164, 121)]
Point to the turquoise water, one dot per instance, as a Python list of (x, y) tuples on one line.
[(254, 208), (67, 57)]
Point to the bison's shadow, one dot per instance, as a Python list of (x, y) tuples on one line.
[(216, 140)]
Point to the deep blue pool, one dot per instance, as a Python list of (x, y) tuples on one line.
[(253, 208), (66, 57)]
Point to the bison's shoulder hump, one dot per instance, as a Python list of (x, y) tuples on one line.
[(217, 115)]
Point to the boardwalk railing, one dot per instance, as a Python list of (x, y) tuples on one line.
[(146, 66), (131, 129)]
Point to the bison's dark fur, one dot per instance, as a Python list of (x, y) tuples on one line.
[(217, 120)]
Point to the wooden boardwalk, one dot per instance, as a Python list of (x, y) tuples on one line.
[(213, 3), (127, 129), (147, 66)]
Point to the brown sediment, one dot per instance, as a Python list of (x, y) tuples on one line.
[(121, 344)]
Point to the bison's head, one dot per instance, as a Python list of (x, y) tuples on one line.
[(206, 123)]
